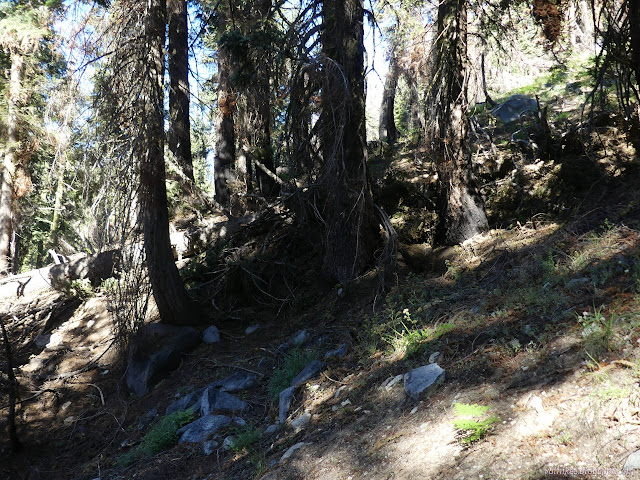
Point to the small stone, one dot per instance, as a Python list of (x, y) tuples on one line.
[(65, 405), (536, 404), (299, 338), (434, 357), (209, 446), (271, 429), (301, 422), (228, 442), (421, 382), (308, 372), (211, 335), (575, 282), (251, 329), (286, 397), (633, 462), (341, 351), (236, 382), (345, 403), (414, 410), (292, 450), (69, 420), (214, 400), (393, 382), (202, 428)]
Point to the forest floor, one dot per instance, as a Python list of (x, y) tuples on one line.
[(538, 320)]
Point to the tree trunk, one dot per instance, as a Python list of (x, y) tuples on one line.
[(460, 206), (7, 194), (352, 228), (173, 302), (634, 24), (224, 160), (178, 61), (263, 151), (387, 130)]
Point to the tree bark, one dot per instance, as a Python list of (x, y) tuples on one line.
[(178, 62), (225, 136), (352, 228), (7, 193), (263, 151), (460, 205), (387, 130), (173, 302), (634, 24)]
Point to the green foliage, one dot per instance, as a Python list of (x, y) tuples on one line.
[(81, 288), (597, 330), (245, 438), (293, 363), (475, 425), (162, 436)]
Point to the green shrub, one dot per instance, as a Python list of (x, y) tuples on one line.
[(293, 363), (162, 436), (245, 438), (473, 426)]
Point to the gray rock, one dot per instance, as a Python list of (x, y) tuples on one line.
[(213, 400), (202, 429), (299, 338), (211, 335), (157, 350), (511, 109), (283, 347), (308, 372), (434, 357), (236, 382), (271, 429), (341, 351), (147, 418), (286, 397), (576, 281), (633, 462), (301, 422), (421, 382), (191, 400), (241, 422), (209, 446), (292, 450), (251, 329), (228, 442)]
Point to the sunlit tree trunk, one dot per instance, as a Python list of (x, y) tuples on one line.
[(387, 130), (174, 304), (351, 223), (460, 207), (225, 156), (9, 165), (178, 62)]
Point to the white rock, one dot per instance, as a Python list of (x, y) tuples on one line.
[(292, 450), (301, 422), (633, 462), (393, 382), (211, 335)]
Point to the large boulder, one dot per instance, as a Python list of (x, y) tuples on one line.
[(421, 382), (95, 268), (511, 109), (157, 350)]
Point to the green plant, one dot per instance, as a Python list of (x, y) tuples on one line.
[(81, 288), (293, 363), (474, 424), (109, 285), (564, 438), (161, 436), (597, 329), (245, 438)]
